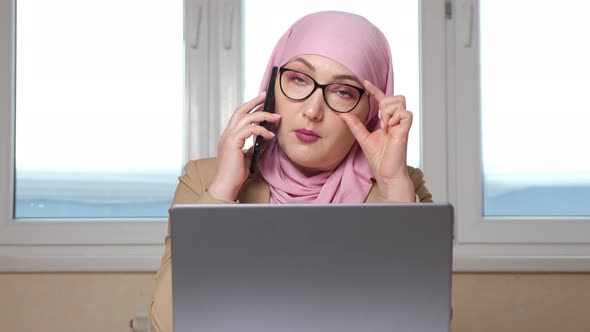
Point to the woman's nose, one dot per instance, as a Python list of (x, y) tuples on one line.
[(315, 106)]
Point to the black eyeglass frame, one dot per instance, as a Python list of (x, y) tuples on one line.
[(320, 86)]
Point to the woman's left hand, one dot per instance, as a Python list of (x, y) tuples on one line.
[(386, 148)]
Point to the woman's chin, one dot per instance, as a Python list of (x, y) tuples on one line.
[(310, 167), (306, 165)]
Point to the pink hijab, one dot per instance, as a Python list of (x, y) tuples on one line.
[(356, 43)]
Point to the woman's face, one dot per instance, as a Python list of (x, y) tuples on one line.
[(310, 133)]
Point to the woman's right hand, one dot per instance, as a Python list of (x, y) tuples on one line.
[(233, 164)]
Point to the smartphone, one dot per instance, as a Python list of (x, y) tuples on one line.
[(268, 106)]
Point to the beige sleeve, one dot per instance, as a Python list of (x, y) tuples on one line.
[(422, 193), (191, 189)]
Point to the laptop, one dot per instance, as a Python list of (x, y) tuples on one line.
[(312, 268)]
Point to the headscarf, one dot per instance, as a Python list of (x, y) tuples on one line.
[(356, 43)]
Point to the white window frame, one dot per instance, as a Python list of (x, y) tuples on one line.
[(212, 54), (450, 155), (494, 243)]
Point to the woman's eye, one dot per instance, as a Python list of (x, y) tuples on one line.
[(298, 79), (344, 93)]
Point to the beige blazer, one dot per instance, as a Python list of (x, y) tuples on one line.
[(192, 189)]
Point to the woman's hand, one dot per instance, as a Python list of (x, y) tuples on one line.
[(386, 148), (233, 164)]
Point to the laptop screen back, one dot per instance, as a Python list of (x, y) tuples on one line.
[(337, 267)]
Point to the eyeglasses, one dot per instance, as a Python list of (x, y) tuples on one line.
[(340, 97)]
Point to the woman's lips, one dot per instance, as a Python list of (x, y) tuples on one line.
[(306, 136)]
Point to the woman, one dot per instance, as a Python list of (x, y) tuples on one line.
[(340, 135)]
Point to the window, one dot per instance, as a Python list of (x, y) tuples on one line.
[(99, 108), (92, 121), (516, 135), (468, 158), (533, 109)]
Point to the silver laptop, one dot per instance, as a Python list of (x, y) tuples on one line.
[(312, 268)]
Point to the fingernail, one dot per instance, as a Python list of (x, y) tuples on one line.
[(379, 114), (276, 115)]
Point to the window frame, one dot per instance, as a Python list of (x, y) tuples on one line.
[(212, 37), (76, 244), (494, 243)]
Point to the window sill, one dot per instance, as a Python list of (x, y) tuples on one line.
[(146, 258)]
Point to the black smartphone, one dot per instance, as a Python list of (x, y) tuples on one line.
[(268, 106)]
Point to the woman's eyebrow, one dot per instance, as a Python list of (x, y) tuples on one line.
[(347, 77), (305, 62)]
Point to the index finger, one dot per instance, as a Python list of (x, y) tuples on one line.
[(373, 90)]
